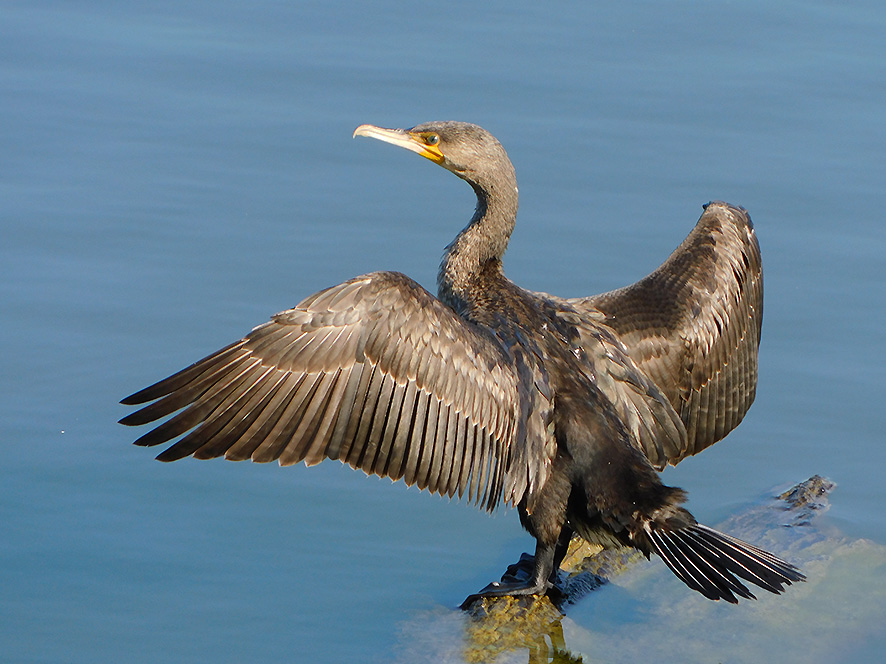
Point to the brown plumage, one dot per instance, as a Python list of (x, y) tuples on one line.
[(560, 407)]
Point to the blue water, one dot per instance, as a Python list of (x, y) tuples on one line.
[(171, 175)]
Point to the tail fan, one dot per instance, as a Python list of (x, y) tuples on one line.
[(709, 562)]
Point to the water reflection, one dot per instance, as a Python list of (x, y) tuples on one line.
[(514, 625)]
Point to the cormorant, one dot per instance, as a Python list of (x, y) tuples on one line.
[(563, 408)]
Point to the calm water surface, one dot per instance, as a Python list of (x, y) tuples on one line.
[(171, 176)]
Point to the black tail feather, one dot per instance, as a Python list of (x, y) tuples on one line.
[(709, 562)]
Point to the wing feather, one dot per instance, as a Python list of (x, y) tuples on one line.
[(400, 442), (432, 439), (281, 436), (244, 412), (264, 422)]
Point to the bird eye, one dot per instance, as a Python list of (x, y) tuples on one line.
[(432, 139)]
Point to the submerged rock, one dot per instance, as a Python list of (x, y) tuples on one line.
[(622, 608)]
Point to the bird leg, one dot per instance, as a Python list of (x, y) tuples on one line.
[(560, 552)]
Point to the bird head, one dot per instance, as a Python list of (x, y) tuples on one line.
[(469, 151)]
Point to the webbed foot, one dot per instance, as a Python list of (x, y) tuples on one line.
[(521, 579)]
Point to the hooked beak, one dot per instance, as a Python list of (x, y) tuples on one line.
[(404, 139)]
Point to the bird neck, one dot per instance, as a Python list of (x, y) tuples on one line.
[(477, 251)]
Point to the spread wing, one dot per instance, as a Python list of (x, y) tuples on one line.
[(693, 326), (375, 372)]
